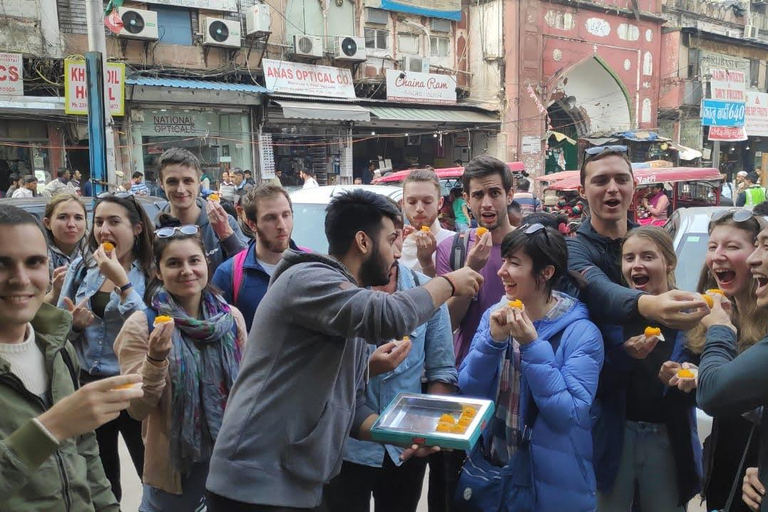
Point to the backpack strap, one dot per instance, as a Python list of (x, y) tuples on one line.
[(459, 249), (71, 367), (237, 273)]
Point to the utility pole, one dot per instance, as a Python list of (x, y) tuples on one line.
[(100, 124)]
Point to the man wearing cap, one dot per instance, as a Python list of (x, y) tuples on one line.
[(753, 193)]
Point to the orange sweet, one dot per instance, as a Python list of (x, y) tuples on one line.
[(447, 418), (214, 197), (108, 246), (716, 291), (162, 319), (481, 231), (652, 331), (465, 421), (709, 300), (517, 304), (425, 229), (469, 411), (124, 386), (443, 427), (458, 429), (685, 373)]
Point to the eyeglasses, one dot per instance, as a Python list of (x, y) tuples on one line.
[(117, 195), (599, 150), (170, 232), (532, 229), (737, 214)]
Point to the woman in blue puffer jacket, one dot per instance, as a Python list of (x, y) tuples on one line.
[(547, 355)]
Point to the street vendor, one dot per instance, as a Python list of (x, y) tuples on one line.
[(656, 202)]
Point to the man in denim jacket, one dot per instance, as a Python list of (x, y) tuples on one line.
[(395, 367)]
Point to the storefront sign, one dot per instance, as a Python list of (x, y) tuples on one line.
[(448, 9), (412, 87), (722, 113), (171, 124), (76, 88), (756, 119), (11, 74), (209, 5), (307, 79), (728, 76), (727, 133)]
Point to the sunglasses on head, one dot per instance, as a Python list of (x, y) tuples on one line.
[(737, 214), (170, 232), (599, 150), (532, 229), (117, 195)]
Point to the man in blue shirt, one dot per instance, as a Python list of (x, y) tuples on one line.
[(139, 188), (396, 367), (243, 278)]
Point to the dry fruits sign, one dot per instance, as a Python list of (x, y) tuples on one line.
[(412, 87), (307, 79)]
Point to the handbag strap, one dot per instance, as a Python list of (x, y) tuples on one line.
[(737, 480)]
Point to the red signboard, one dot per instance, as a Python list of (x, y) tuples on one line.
[(727, 133)]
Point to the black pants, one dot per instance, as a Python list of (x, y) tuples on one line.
[(444, 471), (107, 436), (394, 488), (216, 503)]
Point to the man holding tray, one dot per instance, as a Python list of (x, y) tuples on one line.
[(301, 388)]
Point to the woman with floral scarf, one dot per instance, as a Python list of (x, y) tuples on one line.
[(187, 347)]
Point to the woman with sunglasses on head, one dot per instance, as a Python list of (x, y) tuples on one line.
[(646, 441), (65, 224), (102, 290), (732, 235), (540, 364), (188, 360)]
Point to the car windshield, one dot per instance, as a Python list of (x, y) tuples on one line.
[(694, 247), (309, 226)]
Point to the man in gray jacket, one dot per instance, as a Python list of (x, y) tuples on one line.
[(301, 388)]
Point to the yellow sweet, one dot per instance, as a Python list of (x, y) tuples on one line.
[(717, 291), (458, 429), (443, 427), (162, 319), (468, 411), (108, 246), (447, 418), (517, 304), (214, 197), (652, 331), (425, 229), (685, 373), (709, 300), (465, 421), (124, 386), (481, 231)]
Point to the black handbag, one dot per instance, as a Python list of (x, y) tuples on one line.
[(739, 472)]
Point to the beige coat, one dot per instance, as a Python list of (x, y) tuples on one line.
[(154, 408)]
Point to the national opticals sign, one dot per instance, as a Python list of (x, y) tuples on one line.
[(307, 79), (76, 88), (448, 9)]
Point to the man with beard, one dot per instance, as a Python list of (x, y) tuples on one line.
[(243, 279), (370, 468), (301, 387), (422, 202)]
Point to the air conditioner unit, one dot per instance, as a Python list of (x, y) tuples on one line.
[(138, 24), (308, 46), (258, 20), (415, 64), (219, 32), (349, 48), (751, 32)]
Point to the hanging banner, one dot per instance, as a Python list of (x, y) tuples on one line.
[(728, 76), (756, 115), (308, 79), (448, 9), (76, 88), (11, 74), (722, 113), (414, 87), (208, 5), (727, 133)]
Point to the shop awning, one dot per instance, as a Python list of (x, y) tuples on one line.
[(433, 115), (180, 83), (32, 105), (324, 111), (168, 91)]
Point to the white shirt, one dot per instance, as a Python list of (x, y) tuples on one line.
[(22, 192), (310, 182), (27, 362), (408, 256), (269, 269)]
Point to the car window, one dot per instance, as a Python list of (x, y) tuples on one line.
[(694, 246), (309, 226)]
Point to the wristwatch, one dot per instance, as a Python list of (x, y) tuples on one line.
[(120, 290)]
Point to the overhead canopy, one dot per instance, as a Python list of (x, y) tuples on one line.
[(324, 111), (433, 115), (560, 137), (648, 176)]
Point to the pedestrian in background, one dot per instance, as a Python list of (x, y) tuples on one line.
[(138, 187), (16, 183), (61, 185), (65, 222), (29, 188), (226, 187)]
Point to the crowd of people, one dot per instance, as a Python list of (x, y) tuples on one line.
[(245, 373)]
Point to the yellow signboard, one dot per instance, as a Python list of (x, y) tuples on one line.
[(76, 88)]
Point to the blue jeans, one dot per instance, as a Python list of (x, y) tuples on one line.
[(648, 462), (460, 227), (192, 499)]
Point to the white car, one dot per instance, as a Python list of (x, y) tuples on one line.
[(309, 211)]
